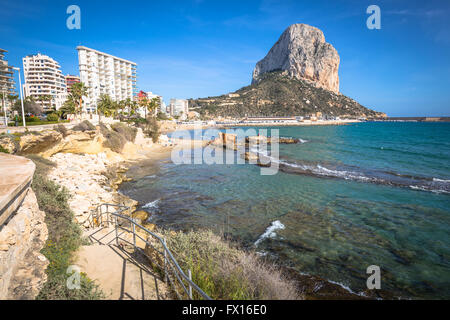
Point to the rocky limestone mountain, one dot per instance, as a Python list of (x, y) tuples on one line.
[(298, 77), (302, 53)]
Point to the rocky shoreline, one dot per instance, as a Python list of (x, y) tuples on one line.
[(91, 179), (309, 286)]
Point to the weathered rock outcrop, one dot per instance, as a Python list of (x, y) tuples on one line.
[(22, 266), (302, 53), (37, 143), (87, 142)]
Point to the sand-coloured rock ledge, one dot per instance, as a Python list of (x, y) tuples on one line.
[(16, 174)]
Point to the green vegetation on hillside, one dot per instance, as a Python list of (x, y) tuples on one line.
[(279, 95)]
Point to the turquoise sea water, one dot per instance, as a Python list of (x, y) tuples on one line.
[(346, 198)]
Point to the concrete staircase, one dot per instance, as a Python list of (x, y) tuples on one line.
[(121, 272)]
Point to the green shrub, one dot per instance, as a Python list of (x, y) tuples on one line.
[(61, 129), (115, 141), (104, 130), (116, 138), (3, 150), (152, 129), (129, 133), (162, 116), (52, 117), (84, 126), (136, 120), (64, 238), (29, 119), (32, 119)]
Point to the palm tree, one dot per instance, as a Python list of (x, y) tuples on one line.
[(105, 106), (69, 107), (153, 104), (78, 91), (12, 98), (128, 105), (134, 107), (48, 98), (115, 108), (143, 104), (43, 98)]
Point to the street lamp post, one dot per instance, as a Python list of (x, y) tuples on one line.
[(4, 108), (21, 97)]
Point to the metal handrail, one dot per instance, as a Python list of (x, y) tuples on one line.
[(168, 256)]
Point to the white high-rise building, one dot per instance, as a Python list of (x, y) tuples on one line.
[(162, 105), (7, 84), (44, 81), (179, 108), (103, 73)]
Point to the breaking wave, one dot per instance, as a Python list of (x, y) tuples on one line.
[(270, 231), (151, 205), (354, 173), (373, 176)]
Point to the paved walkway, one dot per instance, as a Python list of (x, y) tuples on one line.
[(42, 127), (16, 174)]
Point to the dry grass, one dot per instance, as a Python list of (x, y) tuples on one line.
[(226, 272)]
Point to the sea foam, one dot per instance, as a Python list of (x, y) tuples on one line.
[(151, 205), (270, 231), (441, 180)]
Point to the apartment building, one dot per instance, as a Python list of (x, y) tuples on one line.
[(44, 81), (179, 108), (70, 81), (149, 96), (103, 73), (7, 84)]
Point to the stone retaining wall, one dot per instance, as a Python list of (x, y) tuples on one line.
[(22, 266)]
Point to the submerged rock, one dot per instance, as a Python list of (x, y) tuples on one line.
[(140, 215), (289, 140), (250, 156)]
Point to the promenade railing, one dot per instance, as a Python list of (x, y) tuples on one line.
[(112, 214)]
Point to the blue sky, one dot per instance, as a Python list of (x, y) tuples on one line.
[(199, 48)]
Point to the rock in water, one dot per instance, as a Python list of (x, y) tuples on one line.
[(302, 53)]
